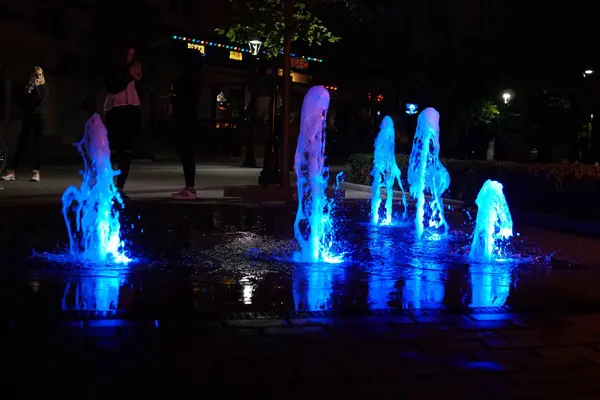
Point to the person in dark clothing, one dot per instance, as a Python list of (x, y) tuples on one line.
[(184, 98), (34, 121), (123, 114)]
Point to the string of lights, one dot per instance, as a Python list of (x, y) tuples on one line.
[(234, 48)]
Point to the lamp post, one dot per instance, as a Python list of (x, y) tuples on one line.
[(506, 96), (288, 16), (587, 72), (250, 159)]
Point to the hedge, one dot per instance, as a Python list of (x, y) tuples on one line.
[(570, 190)]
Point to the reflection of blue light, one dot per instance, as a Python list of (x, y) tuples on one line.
[(314, 226), (411, 108), (490, 285), (425, 289), (96, 234), (382, 281), (312, 292), (97, 293)]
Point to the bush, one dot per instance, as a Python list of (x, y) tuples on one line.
[(569, 190)]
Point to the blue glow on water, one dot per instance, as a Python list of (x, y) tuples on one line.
[(314, 226), (91, 212), (94, 293), (490, 285), (424, 288), (385, 172), (313, 287), (493, 226), (427, 175), (382, 272)]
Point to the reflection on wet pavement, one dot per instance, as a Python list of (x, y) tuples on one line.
[(225, 258)]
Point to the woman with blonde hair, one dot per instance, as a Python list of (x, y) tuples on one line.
[(34, 121)]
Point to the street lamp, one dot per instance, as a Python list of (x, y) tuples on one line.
[(506, 96), (250, 159), (588, 72), (255, 46)]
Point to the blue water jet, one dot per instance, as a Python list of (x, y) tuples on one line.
[(493, 224), (95, 233), (314, 225), (427, 176), (385, 172)]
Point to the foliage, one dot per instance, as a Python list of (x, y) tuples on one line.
[(485, 113), (540, 188), (264, 19)]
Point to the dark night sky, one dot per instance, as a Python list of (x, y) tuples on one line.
[(487, 42)]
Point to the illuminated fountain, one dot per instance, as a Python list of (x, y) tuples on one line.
[(493, 224), (385, 172), (427, 177), (91, 212), (314, 228)]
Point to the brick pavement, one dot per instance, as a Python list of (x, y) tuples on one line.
[(501, 356)]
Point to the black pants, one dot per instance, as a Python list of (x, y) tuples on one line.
[(123, 125), (31, 127), (184, 142)]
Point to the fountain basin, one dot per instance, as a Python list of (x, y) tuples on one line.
[(216, 258)]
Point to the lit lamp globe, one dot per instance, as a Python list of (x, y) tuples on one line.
[(507, 96), (255, 46)]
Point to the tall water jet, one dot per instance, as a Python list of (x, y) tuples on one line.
[(95, 233), (493, 224), (427, 176), (313, 228), (385, 172)]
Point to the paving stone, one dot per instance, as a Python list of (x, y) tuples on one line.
[(574, 339), (528, 391), (229, 332), (442, 319), (543, 362), (311, 321), (256, 323), (582, 385), (493, 317), (468, 325), (592, 371), (567, 351), (512, 343), (545, 375), (297, 331)]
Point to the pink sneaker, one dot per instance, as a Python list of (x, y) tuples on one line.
[(185, 194)]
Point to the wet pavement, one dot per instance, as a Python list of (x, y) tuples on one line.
[(215, 302)]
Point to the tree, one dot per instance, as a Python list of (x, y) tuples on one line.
[(264, 20)]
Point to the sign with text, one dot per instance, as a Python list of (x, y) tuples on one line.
[(235, 55), (299, 63), (197, 47)]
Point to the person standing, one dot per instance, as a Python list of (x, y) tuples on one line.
[(34, 122), (184, 98), (123, 115)]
